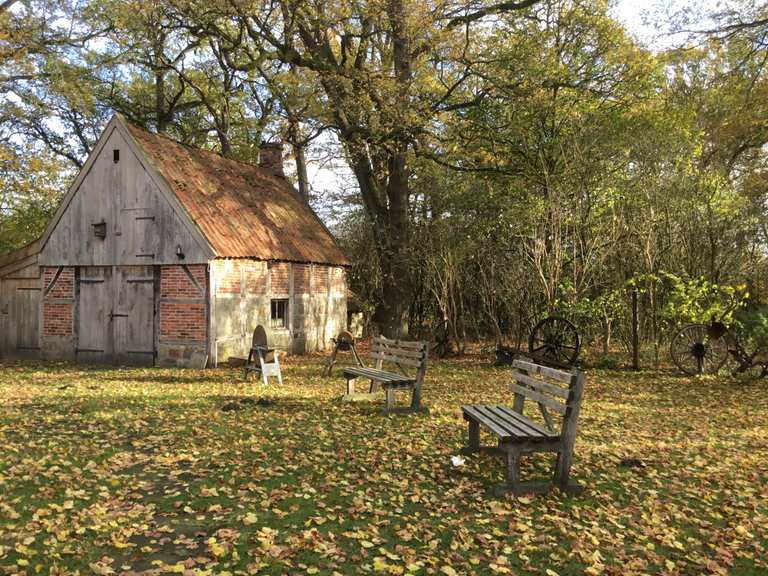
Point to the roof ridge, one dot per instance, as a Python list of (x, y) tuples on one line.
[(201, 149)]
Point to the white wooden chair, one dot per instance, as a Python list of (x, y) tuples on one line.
[(262, 359)]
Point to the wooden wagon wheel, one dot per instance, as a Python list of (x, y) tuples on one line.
[(556, 341), (345, 341), (695, 351)]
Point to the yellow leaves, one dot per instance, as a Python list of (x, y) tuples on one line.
[(323, 490), (500, 565), (380, 564), (101, 568), (498, 509), (250, 519), (209, 492), (216, 549)]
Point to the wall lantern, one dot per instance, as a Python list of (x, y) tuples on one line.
[(179, 252), (100, 229)]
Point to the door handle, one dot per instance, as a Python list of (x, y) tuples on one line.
[(113, 315)]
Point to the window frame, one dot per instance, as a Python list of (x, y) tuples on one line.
[(276, 321)]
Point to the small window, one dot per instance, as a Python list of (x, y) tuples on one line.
[(116, 155), (279, 314), (100, 229)]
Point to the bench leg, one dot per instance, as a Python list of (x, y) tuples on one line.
[(473, 442), (390, 398), (374, 387), (416, 397), (331, 362), (513, 467), (562, 474), (351, 386)]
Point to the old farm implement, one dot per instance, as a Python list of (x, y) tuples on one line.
[(554, 341), (705, 348)]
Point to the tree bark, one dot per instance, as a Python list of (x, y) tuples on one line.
[(299, 154)]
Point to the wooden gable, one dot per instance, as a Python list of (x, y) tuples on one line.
[(119, 211)]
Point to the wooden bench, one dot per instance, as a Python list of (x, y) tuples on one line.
[(551, 389), (400, 353)]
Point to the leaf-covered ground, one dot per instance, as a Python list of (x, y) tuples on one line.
[(128, 471)]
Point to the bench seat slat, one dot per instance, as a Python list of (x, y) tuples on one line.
[(475, 413), (506, 423), (523, 421), (379, 375), (516, 429), (525, 427)]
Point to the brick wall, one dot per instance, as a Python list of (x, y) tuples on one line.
[(182, 322), (63, 287), (228, 275), (255, 277), (338, 281), (301, 278), (322, 278), (58, 301), (57, 319), (279, 276), (175, 282), (183, 317)]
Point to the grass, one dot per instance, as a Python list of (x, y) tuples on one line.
[(140, 470)]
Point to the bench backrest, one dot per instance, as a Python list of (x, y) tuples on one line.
[(551, 388), (401, 353)]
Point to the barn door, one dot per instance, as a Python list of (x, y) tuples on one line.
[(27, 319), (94, 326), (133, 315)]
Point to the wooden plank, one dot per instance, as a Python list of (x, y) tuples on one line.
[(94, 331), (527, 422), (553, 373), (474, 413), (397, 359), (541, 385), (395, 350), (27, 304), (133, 316), (374, 374), (538, 397), (410, 344), (514, 427)]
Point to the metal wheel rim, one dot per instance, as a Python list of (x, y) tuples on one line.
[(555, 340), (694, 352)]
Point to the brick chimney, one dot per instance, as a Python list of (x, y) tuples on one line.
[(271, 157)]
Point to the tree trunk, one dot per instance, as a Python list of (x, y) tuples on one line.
[(299, 154), (161, 118)]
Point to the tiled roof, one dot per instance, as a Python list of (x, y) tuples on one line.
[(243, 211)]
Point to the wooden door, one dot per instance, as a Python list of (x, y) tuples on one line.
[(94, 325), (27, 320), (133, 316)]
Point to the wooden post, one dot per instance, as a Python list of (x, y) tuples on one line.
[(635, 339)]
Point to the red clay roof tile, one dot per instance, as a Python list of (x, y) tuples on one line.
[(244, 211)]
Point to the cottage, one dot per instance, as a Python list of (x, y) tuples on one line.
[(165, 254)]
